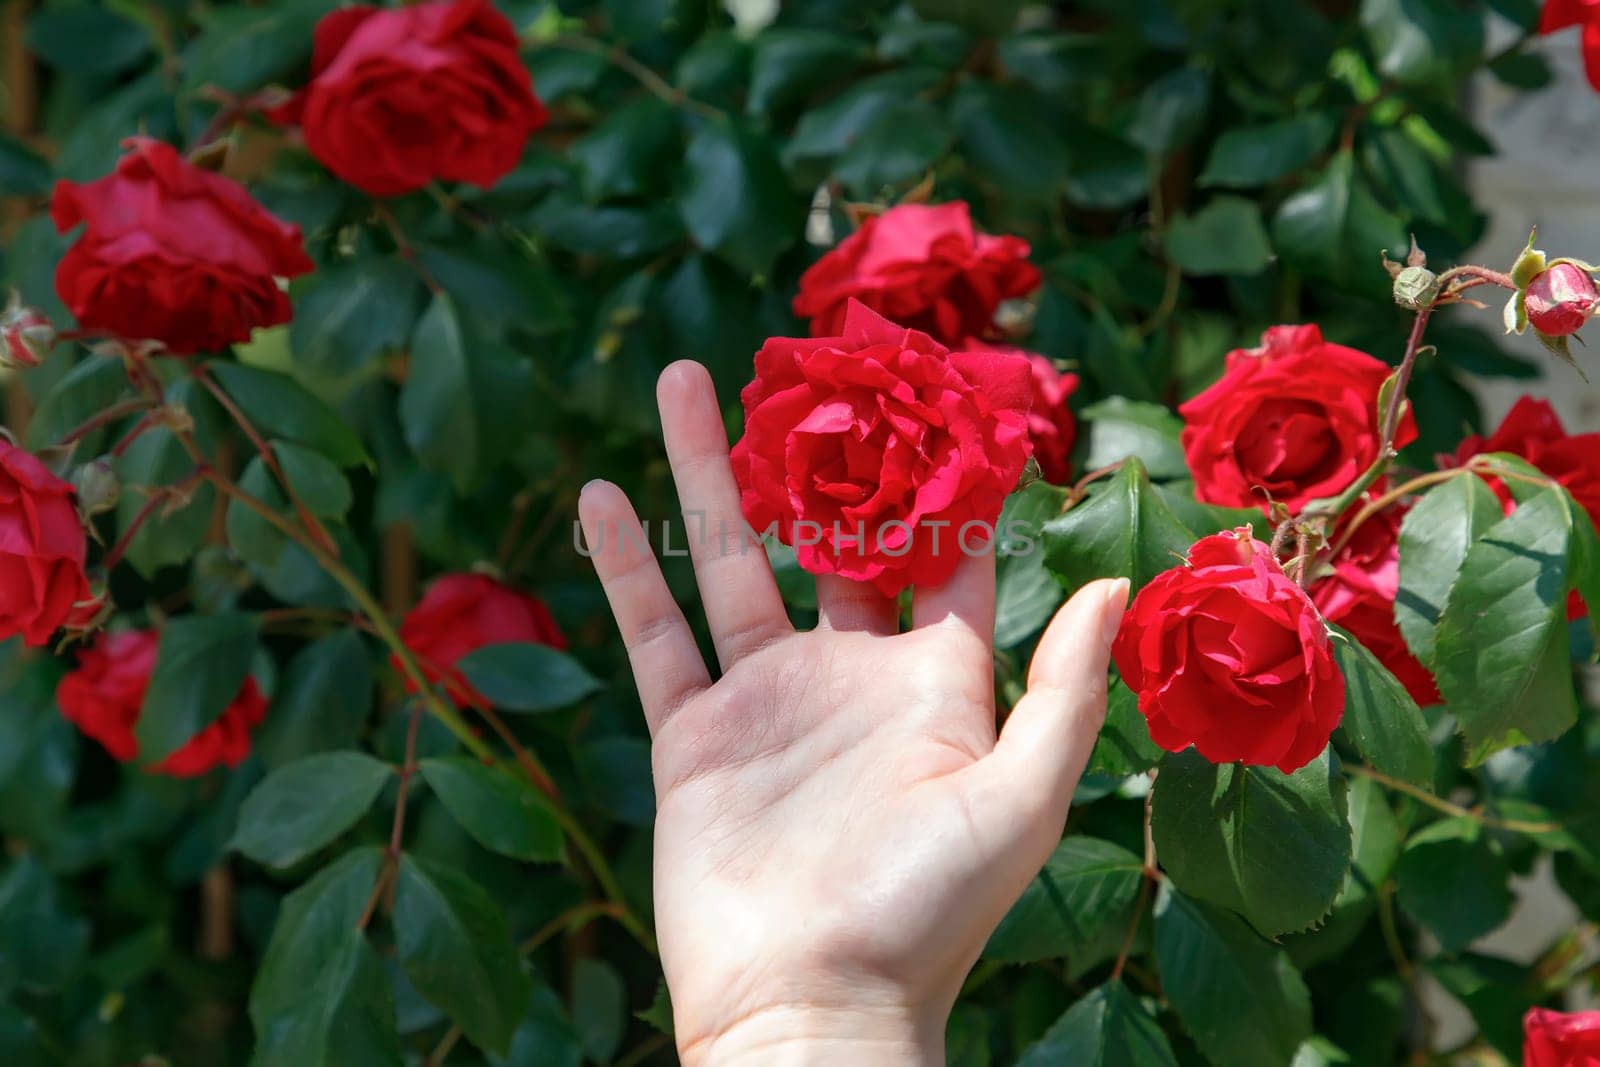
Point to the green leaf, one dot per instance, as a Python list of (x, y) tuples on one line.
[(42, 944), (1171, 111), (900, 144), (173, 534), (201, 664), (436, 402), (989, 18), (1123, 530), (87, 40), (629, 151), (523, 676), (1422, 41), (830, 128), (1119, 428), (1247, 156), (1498, 993), (242, 49), (281, 407), (1005, 135), (735, 199), (1334, 228), (322, 997), (1274, 847), (451, 937), (1434, 537), (348, 312), (322, 701), (1453, 880), (599, 1008), (315, 479), (788, 63), (1502, 659), (1084, 885), (23, 172), (1025, 593), (1237, 995), (503, 814), (91, 385), (1380, 717), (1124, 746), (1224, 237), (545, 1038), (1107, 1028), (499, 287), (297, 809)]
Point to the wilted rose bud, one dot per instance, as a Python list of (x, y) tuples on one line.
[(1561, 299), (98, 488), (26, 337), (1416, 287)]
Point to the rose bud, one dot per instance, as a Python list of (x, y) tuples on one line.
[(1561, 299), (1229, 655), (1291, 421), (105, 694), (881, 455), (923, 267), (461, 613), (403, 96), (26, 337), (98, 488), (42, 549), (1560, 1039)]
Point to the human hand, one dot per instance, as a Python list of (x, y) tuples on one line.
[(838, 828)]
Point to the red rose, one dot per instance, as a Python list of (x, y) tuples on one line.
[(880, 455), (104, 695), (173, 253), (400, 97), (1533, 430), (1360, 593), (1229, 655), (1560, 1039), (1560, 300), (1051, 424), (923, 267), (1293, 420), (461, 613), (42, 548), (1564, 14)]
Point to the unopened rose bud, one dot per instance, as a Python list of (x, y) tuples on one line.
[(98, 488), (1561, 299), (26, 337), (1416, 287)]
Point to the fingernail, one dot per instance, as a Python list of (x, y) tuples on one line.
[(590, 484), (1116, 601)]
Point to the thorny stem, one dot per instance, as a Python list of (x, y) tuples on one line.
[(620, 58), (385, 630), (1520, 826), (158, 498), (104, 417), (1151, 874), (307, 518), (1386, 500), (391, 858), (525, 759)]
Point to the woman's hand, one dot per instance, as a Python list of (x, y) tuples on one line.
[(838, 828)]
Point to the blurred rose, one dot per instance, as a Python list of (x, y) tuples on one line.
[(1559, 1039), (461, 613), (42, 549)]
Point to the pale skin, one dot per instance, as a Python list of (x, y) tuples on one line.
[(839, 826)]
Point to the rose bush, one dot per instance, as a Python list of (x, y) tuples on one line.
[(316, 745)]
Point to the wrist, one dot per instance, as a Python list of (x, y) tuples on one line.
[(794, 1035)]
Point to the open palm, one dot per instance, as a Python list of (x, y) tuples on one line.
[(839, 828)]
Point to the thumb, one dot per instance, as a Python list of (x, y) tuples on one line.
[(1024, 787)]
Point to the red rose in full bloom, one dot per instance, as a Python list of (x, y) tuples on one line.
[(42, 549), (1229, 655), (1533, 430), (104, 695), (1293, 420), (920, 266), (1360, 593), (1563, 14), (400, 97), (461, 613), (1560, 1039), (173, 253), (880, 455)]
